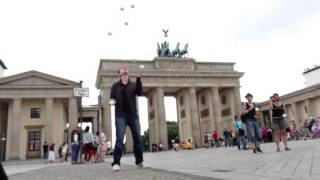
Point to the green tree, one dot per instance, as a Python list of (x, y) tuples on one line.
[(172, 131), (172, 134)]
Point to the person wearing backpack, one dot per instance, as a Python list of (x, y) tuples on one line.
[(240, 133)]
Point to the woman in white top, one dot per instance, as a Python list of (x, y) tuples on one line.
[(88, 144)]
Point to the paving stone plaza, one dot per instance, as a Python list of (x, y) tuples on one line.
[(302, 162)]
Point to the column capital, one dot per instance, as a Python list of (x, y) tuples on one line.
[(17, 98), (214, 87), (158, 88), (192, 89), (215, 90), (72, 98)]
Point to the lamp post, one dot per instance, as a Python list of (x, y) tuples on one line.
[(67, 127), (3, 142), (81, 119)]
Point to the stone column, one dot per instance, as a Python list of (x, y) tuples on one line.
[(72, 114), (180, 125), (48, 130), (95, 125), (295, 114), (185, 123), (270, 116), (153, 123), (237, 99), (106, 120), (232, 102), (216, 108), (15, 130), (308, 106), (194, 116), (161, 117)]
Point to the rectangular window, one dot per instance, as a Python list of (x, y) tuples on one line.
[(204, 113), (35, 113), (34, 141), (182, 113), (226, 112)]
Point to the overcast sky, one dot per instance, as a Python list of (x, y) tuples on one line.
[(272, 41)]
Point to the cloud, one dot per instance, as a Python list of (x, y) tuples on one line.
[(277, 15)]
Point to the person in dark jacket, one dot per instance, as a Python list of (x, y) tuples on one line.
[(123, 96)]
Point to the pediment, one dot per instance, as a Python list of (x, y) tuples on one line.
[(35, 78)]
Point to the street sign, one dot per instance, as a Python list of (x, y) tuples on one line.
[(81, 92)]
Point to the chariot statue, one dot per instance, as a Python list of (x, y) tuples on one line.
[(163, 49)]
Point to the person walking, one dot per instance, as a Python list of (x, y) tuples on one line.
[(75, 145), (123, 96), (45, 149), (88, 144), (215, 137), (253, 129), (226, 136), (278, 122), (240, 133)]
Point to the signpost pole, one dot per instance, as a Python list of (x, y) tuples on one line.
[(79, 93), (81, 106)]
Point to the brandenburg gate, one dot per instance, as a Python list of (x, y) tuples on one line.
[(207, 95)]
